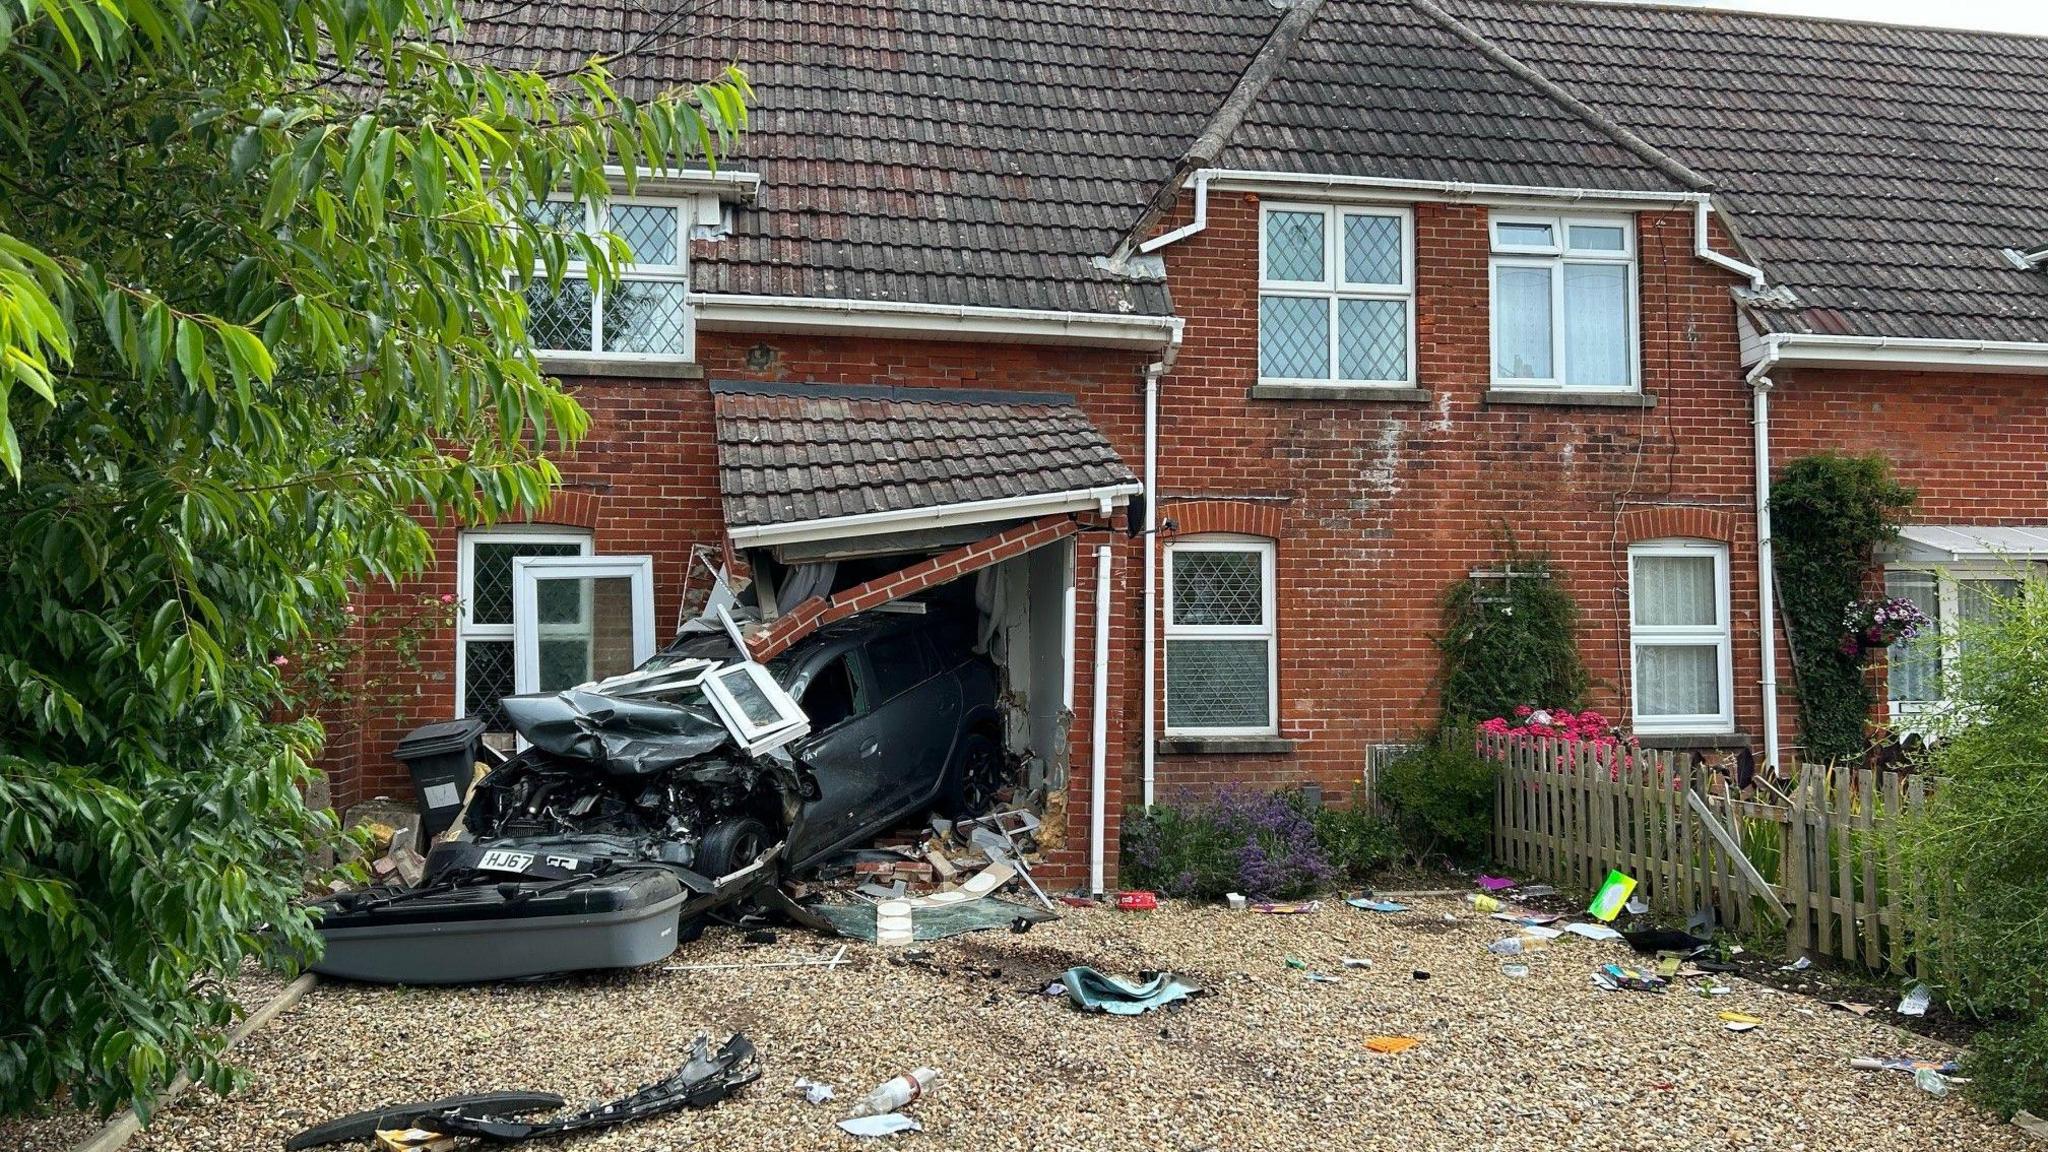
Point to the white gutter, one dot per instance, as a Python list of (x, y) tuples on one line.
[(1396, 188), (1027, 507), (1766, 589), (1098, 778), (829, 315), (727, 185), (1819, 350)]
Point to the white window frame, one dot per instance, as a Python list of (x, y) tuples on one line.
[(1335, 289), (1555, 257), (1721, 636), (596, 220), (1266, 630), (755, 738), (1948, 581), (528, 570), (467, 629)]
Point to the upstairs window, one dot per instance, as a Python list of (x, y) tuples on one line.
[(1564, 311), (644, 315), (1336, 295)]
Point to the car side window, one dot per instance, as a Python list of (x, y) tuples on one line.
[(835, 694), (899, 664)]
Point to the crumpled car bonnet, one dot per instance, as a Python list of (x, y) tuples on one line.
[(624, 737)]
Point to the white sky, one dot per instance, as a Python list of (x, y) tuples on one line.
[(2001, 15)]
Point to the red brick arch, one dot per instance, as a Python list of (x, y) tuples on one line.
[(569, 509), (1242, 517), (1678, 521)]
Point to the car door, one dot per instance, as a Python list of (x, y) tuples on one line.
[(918, 714), (844, 753)]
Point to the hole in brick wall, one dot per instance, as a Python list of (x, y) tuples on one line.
[(761, 357)]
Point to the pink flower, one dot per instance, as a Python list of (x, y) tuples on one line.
[(280, 661), (1522, 710), (348, 609), (447, 597)]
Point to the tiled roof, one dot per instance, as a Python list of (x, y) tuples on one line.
[(1383, 88), (1875, 170), (958, 152), (788, 453)]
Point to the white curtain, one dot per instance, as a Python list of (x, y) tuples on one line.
[(1913, 667), (1521, 323), (1676, 592), (1678, 680), (1596, 325)]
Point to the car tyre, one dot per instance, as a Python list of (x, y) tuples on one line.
[(977, 773), (733, 844)]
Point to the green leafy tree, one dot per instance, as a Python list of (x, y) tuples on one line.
[(1829, 513), (263, 274)]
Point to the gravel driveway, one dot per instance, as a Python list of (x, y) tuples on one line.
[(1266, 1060)]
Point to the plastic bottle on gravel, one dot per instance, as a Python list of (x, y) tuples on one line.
[(896, 1093)]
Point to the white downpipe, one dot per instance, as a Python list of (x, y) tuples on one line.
[(1098, 779), (1766, 593), (1704, 251), (1200, 222), (1151, 537)]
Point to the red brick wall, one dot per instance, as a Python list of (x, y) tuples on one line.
[(1975, 446), (1380, 506)]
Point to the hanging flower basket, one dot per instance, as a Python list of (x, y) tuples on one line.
[(1872, 625)]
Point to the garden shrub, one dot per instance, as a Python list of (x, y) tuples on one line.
[(1984, 830), (1357, 841), (1510, 640), (1256, 843), (1441, 797), (1829, 513)]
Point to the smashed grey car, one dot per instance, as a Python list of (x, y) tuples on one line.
[(642, 804)]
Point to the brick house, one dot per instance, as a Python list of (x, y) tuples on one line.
[(1212, 340)]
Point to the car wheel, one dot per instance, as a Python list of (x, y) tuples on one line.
[(976, 776), (731, 845)]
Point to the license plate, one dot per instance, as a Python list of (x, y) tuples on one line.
[(504, 860)]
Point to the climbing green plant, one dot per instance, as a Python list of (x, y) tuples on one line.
[(1829, 512), (1509, 639), (264, 270)]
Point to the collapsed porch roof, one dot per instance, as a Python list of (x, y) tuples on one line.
[(805, 462)]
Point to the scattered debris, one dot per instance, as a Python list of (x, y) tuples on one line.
[(1516, 971), (1852, 1007), (1483, 903), (412, 1140), (1612, 896), (1617, 977), (1930, 1082), (1092, 991), (895, 1093), (1525, 917), (705, 1079), (1355, 962), (1593, 931), (1297, 908), (1322, 978), (887, 1124), (1495, 883), (1654, 940), (812, 1090), (1371, 905), (365, 1125), (1419, 974), (2031, 1124), (1137, 901), (1739, 1021), (1799, 965), (761, 936), (1908, 1064), (1236, 901), (1537, 891), (1391, 1044), (1916, 1001)]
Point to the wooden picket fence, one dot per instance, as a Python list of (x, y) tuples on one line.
[(1818, 861)]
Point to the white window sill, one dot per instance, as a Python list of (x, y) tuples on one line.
[(1570, 397), (1383, 393), (1674, 741), (570, 364)]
